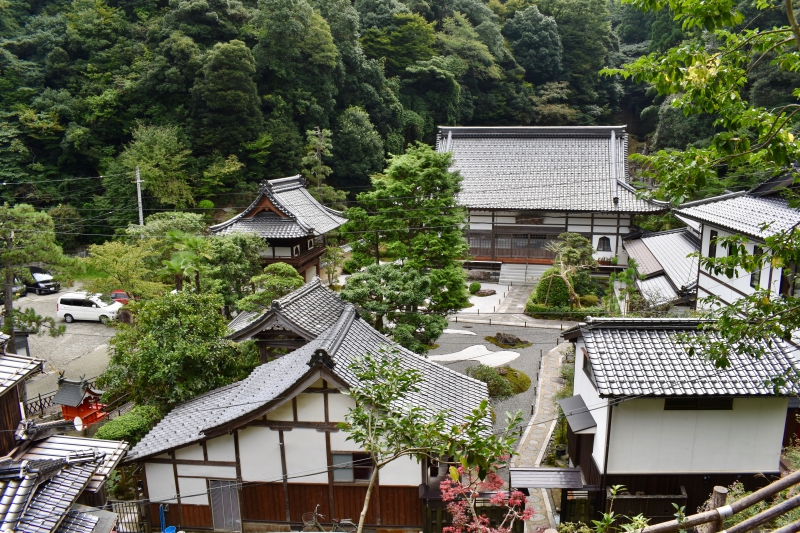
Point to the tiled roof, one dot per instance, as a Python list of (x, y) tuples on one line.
[(71, 392), (743, 213), (663, 258), (35, 496), (303, 215), (350, 337), (15, 369), (543, 168), (312, 308), (648, 357), (60, 446), (78, 523)]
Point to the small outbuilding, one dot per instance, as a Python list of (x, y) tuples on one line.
[(79, 399)]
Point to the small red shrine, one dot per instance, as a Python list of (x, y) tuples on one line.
[(77, 398)]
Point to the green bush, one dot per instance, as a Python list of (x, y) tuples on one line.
[(589, 300), (474, 287), (132, 426), (498, 387), (519, 381), (551, 289), (205, 205), (561, 313)]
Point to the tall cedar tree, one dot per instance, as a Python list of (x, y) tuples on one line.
[(413, 216)]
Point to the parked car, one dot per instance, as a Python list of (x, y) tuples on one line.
[(118, 295), (41, 281), (84, 306), (18, 289)]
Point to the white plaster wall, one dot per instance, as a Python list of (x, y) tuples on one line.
[(311, 272), (193, 452), (195, 486), (577, 228), (338, 404), (646, 438), (402, 471), (282, 412), (741, 279), (305, 453), (221, 449), (339, 443), (216, 472), (160, 482), (310, 407), (480, 226), (597, 406), (260, 454), (611, 237)]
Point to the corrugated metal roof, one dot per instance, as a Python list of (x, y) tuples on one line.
[(744, 214), (543, 168), (545, 478), (672, 250), (60, 446), (15, 369), (304, 215), (639, 356), (349, 338), (646, 262), (657, 290)]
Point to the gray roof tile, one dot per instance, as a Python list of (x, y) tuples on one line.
[(542, 168), (15, 369), (663, 258), (744, 213), (312, 308), (648, 357), (304, 216), (348, 338)]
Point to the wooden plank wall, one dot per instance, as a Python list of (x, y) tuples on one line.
[(10, 417), (399, 506)]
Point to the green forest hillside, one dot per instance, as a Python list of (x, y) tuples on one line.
[(209, 97)]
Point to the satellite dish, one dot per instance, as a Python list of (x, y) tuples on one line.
[(78, 423)]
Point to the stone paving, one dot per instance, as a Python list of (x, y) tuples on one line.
[(532, 447)]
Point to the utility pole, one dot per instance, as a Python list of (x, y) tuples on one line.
[(139, 195)]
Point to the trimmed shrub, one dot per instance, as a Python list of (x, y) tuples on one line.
[(132, 426), (589, 300), (561, 313), (519, 381), (498, 387), (205, 205), (474, 287), (551, 289)]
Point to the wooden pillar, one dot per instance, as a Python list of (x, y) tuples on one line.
[(718, 498), (494, 256), (262, 350), (177, 489), (285, 476), (239, 480)]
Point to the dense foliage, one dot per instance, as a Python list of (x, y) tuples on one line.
[(132, 426), (208, 97), (174, 350)]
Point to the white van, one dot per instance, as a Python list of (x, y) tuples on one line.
[(83, 306)]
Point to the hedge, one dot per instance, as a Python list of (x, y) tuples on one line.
[(132, 426), (474, 287), (551, 289), (562, 313)]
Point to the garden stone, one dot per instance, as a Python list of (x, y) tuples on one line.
[(479, 275), (486, 292), (509, 339)]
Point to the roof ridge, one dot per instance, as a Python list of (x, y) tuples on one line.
[(283, 184), (331, 339), (711, 200)]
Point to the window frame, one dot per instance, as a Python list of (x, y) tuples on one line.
[(712, 243), (755, 276), (364, 470), (607, 242)]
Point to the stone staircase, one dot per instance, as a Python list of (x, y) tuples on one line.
[(520, 274)]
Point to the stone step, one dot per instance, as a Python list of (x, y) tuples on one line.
[(520, 274)]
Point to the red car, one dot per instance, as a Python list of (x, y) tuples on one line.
[(120, 296)]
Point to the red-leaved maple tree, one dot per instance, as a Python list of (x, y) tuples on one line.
[(462, 490)]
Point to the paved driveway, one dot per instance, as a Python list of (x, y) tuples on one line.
[(81, 351)]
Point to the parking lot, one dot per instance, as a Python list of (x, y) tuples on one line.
[(81, 351)]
